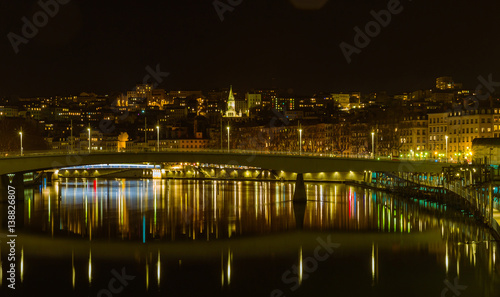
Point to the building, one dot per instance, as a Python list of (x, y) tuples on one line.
[(414, 129), (241, 106), (465, 126), (267, 96), (283, 103), (253, 100), (231, 111), (141, 96), (8, 111), (342, 100), (158, 98), (447, 83), (96, 140), (437, 131)]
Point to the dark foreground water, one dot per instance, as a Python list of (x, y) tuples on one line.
[(236, 238)]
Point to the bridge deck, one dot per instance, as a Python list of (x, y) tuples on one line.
[(278, 161)]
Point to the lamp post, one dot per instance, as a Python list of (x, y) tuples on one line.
[(21, 135), (446, 137), (88, 129), (71, 137), (228, 146), (300, 141), (373, 145), (158, 138)]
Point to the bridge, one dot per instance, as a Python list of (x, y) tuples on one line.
[(280, 161), (374, 171), (304, 163)]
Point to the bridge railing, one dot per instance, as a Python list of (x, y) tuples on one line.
[(202, 150)]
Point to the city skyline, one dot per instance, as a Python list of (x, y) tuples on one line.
[(284, 92)]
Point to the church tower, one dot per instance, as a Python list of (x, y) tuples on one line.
[(231, 111)]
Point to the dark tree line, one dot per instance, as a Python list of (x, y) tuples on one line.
[(10, 138)]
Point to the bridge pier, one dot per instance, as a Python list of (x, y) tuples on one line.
[(300, 189), (18, 183), (4, 183), (299, 210), (299, 201)]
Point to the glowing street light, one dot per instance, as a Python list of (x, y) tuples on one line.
[(21, 134), (88, 129), (446, 137), (300, 141), (158, 138), (228, 147)]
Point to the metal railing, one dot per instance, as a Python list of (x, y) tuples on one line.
[(208, 151)]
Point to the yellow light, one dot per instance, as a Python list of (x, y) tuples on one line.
[(300, 265), (90, 267), (159, 265), (73, 268), (22, 264)]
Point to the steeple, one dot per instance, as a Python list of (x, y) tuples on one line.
[(231, 96), (230, 100), (231, 105)]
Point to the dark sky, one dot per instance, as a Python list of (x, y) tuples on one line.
[(105, 46)]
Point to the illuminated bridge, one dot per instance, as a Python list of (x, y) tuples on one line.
[(16, 166), (277, 161), (381, 173)]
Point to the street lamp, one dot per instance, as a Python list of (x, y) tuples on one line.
[(88, 129), (228, 147), (446, 137), (373, 145), (300, 141), (21, 134), (158, 138)]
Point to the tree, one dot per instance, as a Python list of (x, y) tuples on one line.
[(32, 135)]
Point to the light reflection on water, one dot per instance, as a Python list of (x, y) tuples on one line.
[(246, 230)]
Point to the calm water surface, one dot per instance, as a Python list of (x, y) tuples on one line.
[(87, 237)]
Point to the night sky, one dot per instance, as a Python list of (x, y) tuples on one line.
[(105, 46)]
